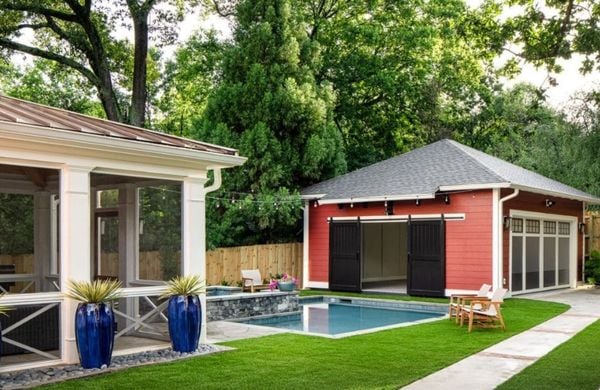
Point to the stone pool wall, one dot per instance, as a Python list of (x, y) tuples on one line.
[(230, 307)]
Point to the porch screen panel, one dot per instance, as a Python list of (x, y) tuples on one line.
[(517, 263), (159, 232), (532, 262), (549, 261), (563, 260)]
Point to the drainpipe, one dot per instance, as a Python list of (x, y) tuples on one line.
[(216, 181), (499, 283), (583, 206)]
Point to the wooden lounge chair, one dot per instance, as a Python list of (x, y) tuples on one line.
[(457, 300), (251, 280), (484, 312)]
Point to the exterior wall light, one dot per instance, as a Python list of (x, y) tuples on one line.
[(550, 203), (507, 221)]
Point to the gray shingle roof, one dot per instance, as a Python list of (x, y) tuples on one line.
[(422, 172)]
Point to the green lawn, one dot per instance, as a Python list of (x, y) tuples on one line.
[(572, 365), (386, 359)]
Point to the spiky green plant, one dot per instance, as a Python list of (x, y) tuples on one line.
[(184, 285), (3, 308), (97, 291)]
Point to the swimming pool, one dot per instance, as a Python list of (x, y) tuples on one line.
[(344, 317)]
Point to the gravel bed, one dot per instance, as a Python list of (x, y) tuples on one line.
[(40, 376)]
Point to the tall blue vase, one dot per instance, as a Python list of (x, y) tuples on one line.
[(184, 322), (95, 333)]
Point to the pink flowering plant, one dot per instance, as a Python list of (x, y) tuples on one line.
[(285, 278)]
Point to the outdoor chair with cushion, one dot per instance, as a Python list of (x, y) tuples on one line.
[(457, 300), (251, 280), (484, 312)]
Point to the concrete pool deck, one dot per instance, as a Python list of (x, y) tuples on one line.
[(493, 366)]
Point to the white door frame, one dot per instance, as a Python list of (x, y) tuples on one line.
[(572, 246)]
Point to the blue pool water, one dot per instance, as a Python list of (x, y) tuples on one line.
[(337, 318)]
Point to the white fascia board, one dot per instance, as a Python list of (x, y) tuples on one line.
[(466, 187), (97, 143), (377, 198), (540, 191), (312, 196)]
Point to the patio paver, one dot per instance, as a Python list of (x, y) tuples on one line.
[(493, 366)]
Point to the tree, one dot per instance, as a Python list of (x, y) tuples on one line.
[(45, 82), (406, 73), (270, 106), (555, 29), (188, 81), (78, 35)]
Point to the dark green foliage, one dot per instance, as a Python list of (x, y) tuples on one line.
[(269, 105), (16, 224), (405, 73), (592, 268)]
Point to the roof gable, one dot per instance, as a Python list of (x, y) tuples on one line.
[(424, 171)]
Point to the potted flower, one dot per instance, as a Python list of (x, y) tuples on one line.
[(184, 312), (94, 320), (284, 282)]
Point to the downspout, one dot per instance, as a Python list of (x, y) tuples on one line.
[(583, 206), (216, 184), (500, 253)]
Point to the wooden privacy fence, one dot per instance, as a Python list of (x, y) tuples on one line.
[(225, 264), (592, 221)]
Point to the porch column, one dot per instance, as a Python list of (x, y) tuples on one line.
[(128, 239), (75, 254), (193, 234)]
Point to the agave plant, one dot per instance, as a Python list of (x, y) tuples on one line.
[(97, 291), (3, 308), (184, 285)]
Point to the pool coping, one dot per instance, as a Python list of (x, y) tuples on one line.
[(371, 302)]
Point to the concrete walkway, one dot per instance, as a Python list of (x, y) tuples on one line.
[(493, 366)]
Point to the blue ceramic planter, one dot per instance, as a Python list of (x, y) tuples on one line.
[(184, 322), (286, 286), (94, 329)]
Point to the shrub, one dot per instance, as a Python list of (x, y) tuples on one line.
[(592, 268)]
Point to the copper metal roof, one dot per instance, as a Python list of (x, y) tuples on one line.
[(24, 112)]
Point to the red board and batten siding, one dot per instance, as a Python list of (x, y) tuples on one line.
[(468, 242), (528, 201)]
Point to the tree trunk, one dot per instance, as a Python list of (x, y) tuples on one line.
[(137, 114)]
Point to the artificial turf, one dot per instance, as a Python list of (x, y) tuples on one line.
[(383, 360), (572, 365)]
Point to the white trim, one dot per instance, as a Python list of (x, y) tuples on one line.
[(40, 134), (381, 198), (31, 298), (401, 218), (535, 190), (466, 187), (497, 230), (26, 366), (323, 285), (305, 237), (312, 196), (572, 249)]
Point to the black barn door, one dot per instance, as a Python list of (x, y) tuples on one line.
[(426, 258), (344, 256)]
